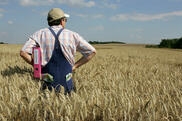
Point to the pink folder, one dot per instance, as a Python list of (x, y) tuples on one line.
[(37, 62)]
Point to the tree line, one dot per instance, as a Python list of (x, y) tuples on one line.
[(175, 43), (3, 43), (171, 43)]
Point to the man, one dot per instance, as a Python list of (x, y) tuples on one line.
[(58, 48)]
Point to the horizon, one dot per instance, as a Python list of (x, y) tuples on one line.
[(139, 22)]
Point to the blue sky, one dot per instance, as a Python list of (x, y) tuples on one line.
[(130, 21)]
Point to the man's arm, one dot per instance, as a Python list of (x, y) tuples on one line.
[(83, 60), (27, 57)]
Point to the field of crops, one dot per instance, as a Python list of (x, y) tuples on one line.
[(121, 83)]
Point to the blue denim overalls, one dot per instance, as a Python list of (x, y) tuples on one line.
[(59, 68)]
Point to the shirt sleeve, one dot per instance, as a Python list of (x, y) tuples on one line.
[(83, 46), (29, 45)]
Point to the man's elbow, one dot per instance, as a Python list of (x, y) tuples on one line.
[(91, 55), (22, 54), (94, 53), (27, 57)]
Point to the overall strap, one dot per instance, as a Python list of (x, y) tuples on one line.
[(56, 35)]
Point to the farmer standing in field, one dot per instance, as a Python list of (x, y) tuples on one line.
[(58, 48)]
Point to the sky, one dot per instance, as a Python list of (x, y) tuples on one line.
[(129, 21)]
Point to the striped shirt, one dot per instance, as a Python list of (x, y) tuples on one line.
[(70, 42)]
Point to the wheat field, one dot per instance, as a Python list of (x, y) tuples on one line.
[(121, 83)]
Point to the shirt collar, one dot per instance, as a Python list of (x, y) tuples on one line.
[(57, 26)]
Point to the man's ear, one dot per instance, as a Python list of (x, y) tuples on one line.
[(61, 20)]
